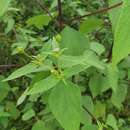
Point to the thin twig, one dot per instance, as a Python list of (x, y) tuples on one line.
[(93, 117), (97, 12), (44, 8), (9, 66), (109, 57), (60, 14)]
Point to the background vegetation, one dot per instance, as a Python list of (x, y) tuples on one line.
[(64, 64)]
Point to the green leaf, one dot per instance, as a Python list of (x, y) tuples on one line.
[(39, 125), (99, 109), (112, 76), (4, 89), (119, 96), (27, 69), (90, 127), (22, 97), (88, 104), (69, 61), (74, 70), (43, 85), (65, 104), (97, 47), (13, 128), (125, 128), (92, 59), (4, 122), (97, 87), (111, 121), (89, 58), (53, 4), (85, 118), (10, 24), (12, 110), (4, 6), (90, 24), (75, 42), (121, 47), (39, 21), (114, 14), (100, 125), (76, 64), (28, 115), (4, 114)]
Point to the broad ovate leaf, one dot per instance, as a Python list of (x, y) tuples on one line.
[(75, 42), (121, 47), (39, 21), (90, 24), (65, 104)]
